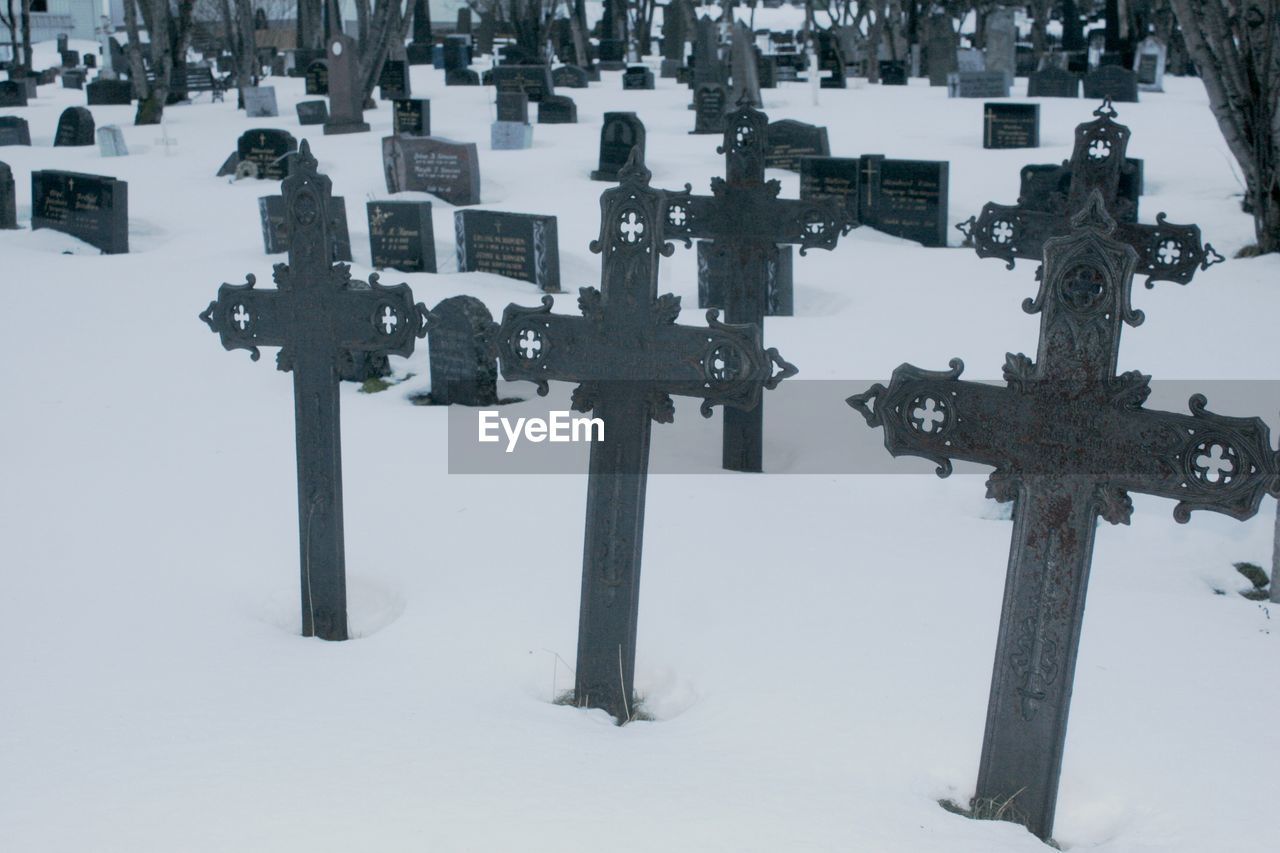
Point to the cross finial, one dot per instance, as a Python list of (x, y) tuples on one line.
[(1106, 110), (1094, 214)]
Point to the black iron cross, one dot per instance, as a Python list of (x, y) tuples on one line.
[(746, 221), (318, 317), (1166, 252), (629, 355), (1069, 440)]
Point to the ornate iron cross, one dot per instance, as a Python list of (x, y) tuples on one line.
[(1069, 440), (318, 317), (746, 221), (1166, 252), (629, 355)]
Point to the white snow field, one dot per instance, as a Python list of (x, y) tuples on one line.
[(815, 648)]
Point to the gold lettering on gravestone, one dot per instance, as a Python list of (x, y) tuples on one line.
[(500, 253), (906, 201), (436, 165)]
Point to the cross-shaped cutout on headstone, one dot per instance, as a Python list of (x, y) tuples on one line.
[(746, 221), (1166, 252), (318, 316), (1069, 439), (629, 356)]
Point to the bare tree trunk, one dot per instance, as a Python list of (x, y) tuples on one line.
[(387, 25), (11, 22), (311, 24), (1039, 24), (155, 17), (133, 50), (27, 60), (242, 39), (875, 32)]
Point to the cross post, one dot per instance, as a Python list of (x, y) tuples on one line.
[(1069, 439), (629, 356), (1166, 252), (745, 220), (318, 316)]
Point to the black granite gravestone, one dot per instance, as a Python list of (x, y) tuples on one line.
[(557, 109), (275, 227), (461, 352), (401, 236), (513, 106), (411, 117), (905, 198), (461, 77), (321, 319), (312, 112), (455, 54), (714, 283), (710, 102), (893, 72), (787, 140), (1070, 440), (637, 77), (14, 131), (569, 77), (13, 94), (1053, 83), (317, 78), (393, 81), (8, 198), (620, 133), (431, 164), (978, 84), (1111, 82), (73, 79), (837, 178), (517, 245), (93, 208), (1010, 125), (533, 80), (266, 147), (109, 93)]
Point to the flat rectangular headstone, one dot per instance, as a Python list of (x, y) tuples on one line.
[(401, 236), (710, 102), (431, 164), (14, 131), (1010, 125), (94, 208), (569, 77), (533, 80), (637, 77), (13, 94), (905, 198), (266, 147), (513, 106), (970, 59), (111, 141), (832, 177), (789, 140), (8, 198), (1053, 83), (1111, 81), (714, 270), (109, 93), (260, 102), (517, 245), (316, 78), (73, 79), (411, 117), (557, 109), (893, 72), (275, 232), (978, 84), (393, 82), (312, 112), (510, 136)]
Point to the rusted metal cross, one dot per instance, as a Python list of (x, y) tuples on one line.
[(1166, 252), (1069, 440), (746, 221), (319, 318), (629, 355)]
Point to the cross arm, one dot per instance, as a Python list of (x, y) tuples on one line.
[(245, 318), (754, 212), (379, 318)]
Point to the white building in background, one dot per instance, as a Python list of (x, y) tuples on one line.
[(78, 19)]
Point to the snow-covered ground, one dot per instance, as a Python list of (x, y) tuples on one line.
[(816, 648)]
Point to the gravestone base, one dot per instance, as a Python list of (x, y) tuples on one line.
[(510, 136), (332, 128)]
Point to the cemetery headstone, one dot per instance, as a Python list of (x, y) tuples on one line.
[(524, 246), (93, 208), (393, 82), (431, 164), (73, 79), (1001, 37), (411, 117), (8, 198), (317, 78), (260, 102), (460, 350), (346, 98), (787, 140), (107, 93), (13, 94), (940, 49), (1148, 64), (836, 178), (707, 65), (312, 112), (510, 136), (620, 133), (275, 227), (455, 54), (710, 103), (557, 109), (532, 80), (905, 198), (569, 77), (321, 319), (401, 236), (715, 271), (14, 131), (266, 148), (75, 128), (893, 72), (766, 70), (1010, 125), (978, 84), (111, 141), (1112, 82), (970, 59), (1070, 439), (1053, 83), (637, 77), (513, 106), (461, 77)]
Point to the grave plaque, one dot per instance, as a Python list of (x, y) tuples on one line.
[(1053, 83), (13, 94), (637, 77), (510, 136), (75, 128), (73, 79), (266, 148), (788, 140), (312, 112), (411, 117), (715, 267), (321, 319), (109, 93), (835, 178), (905, 198), (93, 208), (8, 198), (977, 84), (431, 164), (1010, 125), (621, 133), (275, 227), (260, 101), (346, 97), (893, 72), (317, 78), (393, 82), (14, 131), (401, 236), (1148, 64), (111, 141), (516, 245), (533, 80), (461, 77), (460, 347), (1111, 82), (1070, 440), (513, 106), (569, 77), (710, 102), (557, 109)]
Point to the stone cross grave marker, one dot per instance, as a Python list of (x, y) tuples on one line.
[(629, 355), (1069, 439), (318, 316), (1166, 252), (746, 220)]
